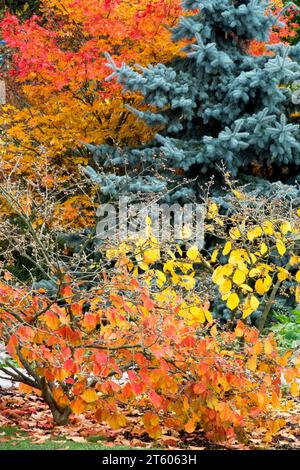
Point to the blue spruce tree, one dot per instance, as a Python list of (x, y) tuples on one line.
[(216, 104)]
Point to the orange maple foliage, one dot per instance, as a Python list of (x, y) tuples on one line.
[(59, 63), (129, 350)]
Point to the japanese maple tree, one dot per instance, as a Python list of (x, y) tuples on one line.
[(57, 59), (57, 94)]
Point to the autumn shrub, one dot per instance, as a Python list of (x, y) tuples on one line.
[(249, 265), (132, 349), (256, 255), (135, 327), (247, 269)]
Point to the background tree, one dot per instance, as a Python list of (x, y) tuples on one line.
[(216, 104)]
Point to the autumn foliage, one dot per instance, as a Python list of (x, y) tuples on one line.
[(144, 336), (57, 60), (133, 325), (60, 98), (137, 330), (284, 34), (132, 350)]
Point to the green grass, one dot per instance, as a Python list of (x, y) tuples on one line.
[(54, 444)]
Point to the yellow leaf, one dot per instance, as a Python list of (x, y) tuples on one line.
[(268, 227), (38, 222), (233, 301), (219, 221), (169, 266), (289, 375), (283, 274), (275, 401), (214, 255), (254, 272), (78, 406), (257, 348), (268, 347), (60, 374), (297, 294), (212, 209), (298, 276), (254, 233), (152, 255), (187, 281), (227, 248), (263, 248), (294, 389), (285, 227), (268, 281), (198, 314), (225, 296), (225, 287), (89, 395), (294, 260), (261, 399), (246, 288), (193, 253), (208, 316), (252, 364), (116, 421), (179, 250), (161, 278), (254, 302), (239, 332), (170, 253), (249, 306), (214, 331), (239, 277), (234, 233), (7, 276), (190, 426), (218, 276), (237, 258), (220, 272), (238, 194), (246, 311), (280, 247), (260, 287)]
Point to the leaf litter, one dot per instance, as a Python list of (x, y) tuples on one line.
[(33, 419)]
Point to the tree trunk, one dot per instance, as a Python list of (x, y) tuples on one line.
[(60, 414), (61, 417)]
